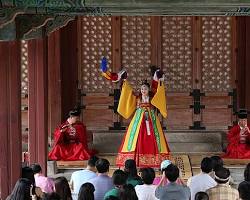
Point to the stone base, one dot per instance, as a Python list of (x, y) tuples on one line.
[(179, 141)]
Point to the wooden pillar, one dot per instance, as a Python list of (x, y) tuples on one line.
[(69, 66), (10, 116), (38, 105), (247, 70), (156, 43), (54, 82)]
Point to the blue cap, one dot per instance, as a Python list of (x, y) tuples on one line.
[(165, 163)]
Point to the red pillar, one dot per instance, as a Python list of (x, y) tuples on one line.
[(38, 103), (54, 82), (10, 116)]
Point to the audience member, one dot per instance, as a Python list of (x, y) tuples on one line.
[(46, 184), (217, 162), (202, 181), (119, 180), (222, 190), (28, 173), (131, 170), (102, 183), (147, 190), (201, 196), (172, 190), (52, 196), (62, 188), (128, 193), (82, 176), (86, 192), (244, 187), (22, 190)]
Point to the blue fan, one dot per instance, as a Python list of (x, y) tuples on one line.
[(104, 64)]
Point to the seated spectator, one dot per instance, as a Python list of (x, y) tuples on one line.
[(62, 188), (128, 193), (201, 196), (86, 192), (172, 190), (52, 196), (82, 176), (46, 184), (202, 181), (22, 190), (244, 187), (28, 173), (164, 165), (131, 171), (147, 190), (102, 183), (217, 162), (223, 190), (119, 180)]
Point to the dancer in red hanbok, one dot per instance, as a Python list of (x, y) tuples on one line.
[(70, 140), (239, 139)]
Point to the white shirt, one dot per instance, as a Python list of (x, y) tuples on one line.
[(200, 183), (146, 192)]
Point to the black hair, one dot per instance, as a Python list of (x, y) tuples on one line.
[(130, 168), (28, 173), (247, 173), (119, 177), (148, 175), (201, 196), (206, 165), (222, 173), (75, 112), (51, 196), (127, 192), (62, 188), (86, 192), (92, 161), (21, 190), (217, 162), (112, 198), (172, 172), (36, 168), (102, 165), (244, 190)]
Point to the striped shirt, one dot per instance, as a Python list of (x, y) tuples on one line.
[(223, 192)]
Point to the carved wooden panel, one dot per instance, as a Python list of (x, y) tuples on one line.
[(96, 41), (24, 67), (136, 50), (216, 60), (177, 53)]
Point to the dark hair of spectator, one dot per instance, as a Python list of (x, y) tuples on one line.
[(36, 168), (127, 192), (148, 175), (206, 165), (21, 190), (130, 168), (28, 173), (247, 173), (244, 190), (92, 161), (217, 162), (119, 177), (62, 188), (52, 196), (102, 165), (86, 192), (112, 198), (201, 196), (172, 172), (223, 175)]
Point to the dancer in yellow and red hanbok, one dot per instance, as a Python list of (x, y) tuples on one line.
[(144, 140)]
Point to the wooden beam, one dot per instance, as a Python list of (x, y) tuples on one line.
[(10, 116), (116, 43), (38, 102)]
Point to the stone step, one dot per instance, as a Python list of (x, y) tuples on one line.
[(179, 141)]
